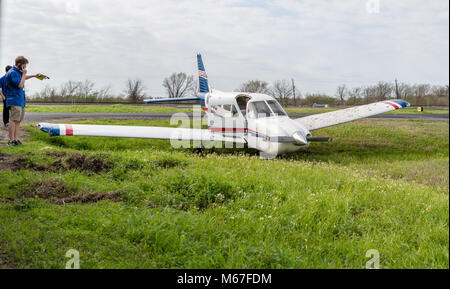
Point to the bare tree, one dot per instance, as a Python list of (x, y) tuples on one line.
[(369, 94), (103, 92), (68, 90), (178, 84), (255, 86), (48, 93), (440, 93), (383, 90), (341, 92), (194, 90), (282, 91), (85, 89), (421, 91), (312, 98), (354, 94), (134, 90), (404, 91)]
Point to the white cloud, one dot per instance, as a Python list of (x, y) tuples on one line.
[(319, 43)]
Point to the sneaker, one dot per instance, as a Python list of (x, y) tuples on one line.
[(18, 142), (12, 143)]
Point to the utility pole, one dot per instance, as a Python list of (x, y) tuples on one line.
[(293, 91), (396, 89)]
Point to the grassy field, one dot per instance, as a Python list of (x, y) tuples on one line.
[(132, 203), (121, 108)]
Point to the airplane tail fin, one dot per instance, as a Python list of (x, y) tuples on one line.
[(202, 76)]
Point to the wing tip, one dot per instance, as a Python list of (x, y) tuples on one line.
[(50, 128), (401, 102)]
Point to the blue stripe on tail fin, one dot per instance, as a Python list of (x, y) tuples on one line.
[(202, 76)]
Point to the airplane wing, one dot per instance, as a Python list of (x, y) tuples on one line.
[(135, 132), (327, 119), (171, 99)]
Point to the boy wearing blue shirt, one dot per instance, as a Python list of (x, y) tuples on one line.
[(15, 97), (3, 95)]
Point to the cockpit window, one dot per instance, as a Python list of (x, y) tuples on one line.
[(276, 108), (258, 109)]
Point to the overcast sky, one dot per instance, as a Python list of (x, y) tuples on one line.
[(320, 44)]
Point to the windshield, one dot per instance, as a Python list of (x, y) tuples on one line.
[(258, 109), (276, 108)]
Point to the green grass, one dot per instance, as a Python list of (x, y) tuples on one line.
[(381, 185)]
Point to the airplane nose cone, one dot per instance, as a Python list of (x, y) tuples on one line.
[(300, 139)]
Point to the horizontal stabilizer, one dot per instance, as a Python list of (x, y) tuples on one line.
[(172, 99)]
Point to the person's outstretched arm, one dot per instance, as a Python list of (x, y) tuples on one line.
[(31, 76)]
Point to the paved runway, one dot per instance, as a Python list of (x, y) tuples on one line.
[(42, 117)]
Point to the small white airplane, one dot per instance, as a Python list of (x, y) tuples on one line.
[(246, 119)]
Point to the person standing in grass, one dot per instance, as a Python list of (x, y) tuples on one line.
[(15, 97), (3, 95)]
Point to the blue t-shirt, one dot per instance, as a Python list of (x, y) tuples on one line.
[(14, 95), (2, 81)]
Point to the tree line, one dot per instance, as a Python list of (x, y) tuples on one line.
[(86, 91), (288, 94), (181, 84)]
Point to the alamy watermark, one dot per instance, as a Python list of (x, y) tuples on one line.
[(73, 6), (74, 261), (373, 6), (374, 262)]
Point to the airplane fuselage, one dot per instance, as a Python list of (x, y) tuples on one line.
[(257, 118)]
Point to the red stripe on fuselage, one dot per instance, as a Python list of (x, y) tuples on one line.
[(69, 130), (226, 129)]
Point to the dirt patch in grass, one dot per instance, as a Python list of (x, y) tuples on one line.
[(55, 154), (55, 191), (62, 162), (5, 260), (4, 159), (88, 163), (15, 163)]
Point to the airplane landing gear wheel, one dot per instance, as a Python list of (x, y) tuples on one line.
[(198, 151)]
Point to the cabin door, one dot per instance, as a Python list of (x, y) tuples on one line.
[(227, 120)]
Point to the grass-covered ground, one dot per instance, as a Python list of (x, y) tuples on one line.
[(131, 203), (122, 108)]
